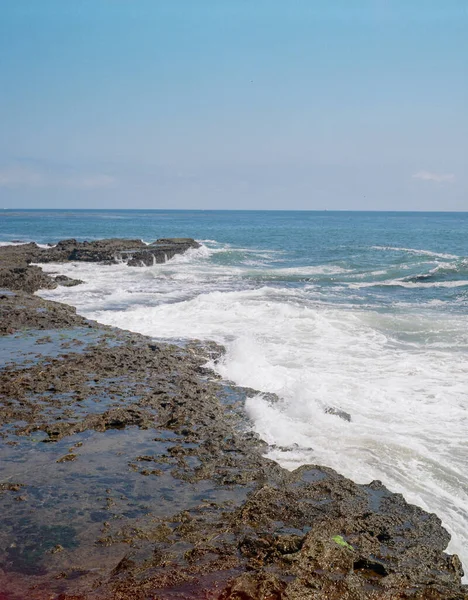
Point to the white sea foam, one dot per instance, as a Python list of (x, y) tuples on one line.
[(410, 284), (23, 243), (415, 251), (193, 254), (401, 375), (312, 270)]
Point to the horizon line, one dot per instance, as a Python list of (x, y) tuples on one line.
[(318, 210)]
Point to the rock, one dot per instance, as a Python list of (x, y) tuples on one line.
[(26, 278), (67, 458), (356, 548), (107, 251), (11, 487), (160, 251), (66, 245), (189, 242), (211, 517), (23, 311), (331, 410), (67, 281), (249, 586), (110, 251)]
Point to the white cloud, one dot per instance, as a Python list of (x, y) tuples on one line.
[(19, 176), (436, 177), (92, 182)]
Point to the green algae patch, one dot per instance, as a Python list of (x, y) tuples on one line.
[(338, 539)]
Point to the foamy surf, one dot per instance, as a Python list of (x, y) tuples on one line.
[(411, 284), (23, 243), (419, 252), (399, 374)]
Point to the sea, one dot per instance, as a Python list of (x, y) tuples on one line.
[(352, 326)]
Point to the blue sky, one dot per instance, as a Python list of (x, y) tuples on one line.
[(307, 104)]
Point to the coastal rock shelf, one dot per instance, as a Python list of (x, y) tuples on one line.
[(127, 471), (17, 273)]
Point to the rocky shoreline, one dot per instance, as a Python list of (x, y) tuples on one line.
[(128, 472), (17, 273)]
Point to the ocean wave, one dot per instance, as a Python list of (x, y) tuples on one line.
[(24, 243), (192, 254), (262, 272), (208, 241), (400, 375), (409, 284), (416, 251), (312, 270)]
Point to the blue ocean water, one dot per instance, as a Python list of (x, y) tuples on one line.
[(364, 313), (407, 257)]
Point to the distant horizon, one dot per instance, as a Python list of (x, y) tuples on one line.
[(319, 210)]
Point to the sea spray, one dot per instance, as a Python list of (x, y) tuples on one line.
[(379, 334)]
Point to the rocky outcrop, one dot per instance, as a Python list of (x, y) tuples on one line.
[(20, 311), (364, 542), (159, 251), (17, 273), (109, 251), (128, 472), (67, 281), (134, 252), (26, 277), (104, 251)]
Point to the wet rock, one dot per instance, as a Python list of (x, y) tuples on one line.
[(67, 281), (27, 278), (159, 252), (108, 251), (10, 487), (29, 556), (331, 410), (192, 509), (249, 586), (350, 551), (23, 311), (16, 273), (67, 458)]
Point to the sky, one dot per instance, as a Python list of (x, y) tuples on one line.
[(234, 104)]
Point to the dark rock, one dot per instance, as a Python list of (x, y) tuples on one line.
[(177, 241), (26, 278), (159, 252), (11, 487), (67, 458), (66, 245), (215, 519), (67, 281), (331, 410), (250, 586), (16, 272), (134, 252), (110, 251), (23, 311)]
